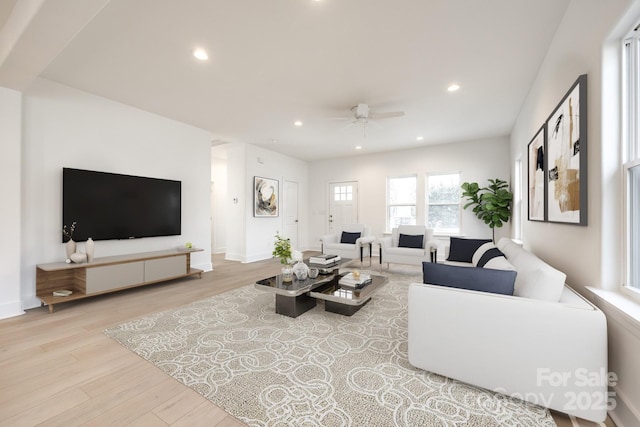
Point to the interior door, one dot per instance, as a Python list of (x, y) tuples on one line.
[(290, 212), (343, 205)]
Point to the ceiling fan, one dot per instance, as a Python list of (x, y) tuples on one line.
[(361, 113)]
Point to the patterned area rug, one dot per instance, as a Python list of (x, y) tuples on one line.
[(320, 369)]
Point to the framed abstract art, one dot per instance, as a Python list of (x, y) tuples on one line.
[(536, 177), (566, 157), (265, 197)]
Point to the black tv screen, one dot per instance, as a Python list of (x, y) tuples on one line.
[(112, 206)]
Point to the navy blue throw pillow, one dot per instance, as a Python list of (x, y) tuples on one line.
[(410, 241), (349, 237), (462, 250), (488, 256), (471, 278)]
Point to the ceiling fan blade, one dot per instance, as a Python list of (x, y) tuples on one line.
[(379, 116)]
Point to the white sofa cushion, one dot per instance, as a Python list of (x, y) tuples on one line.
[(536, 279)]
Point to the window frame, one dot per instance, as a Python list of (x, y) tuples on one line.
[(392, 205), (630, 139), (459, 204)]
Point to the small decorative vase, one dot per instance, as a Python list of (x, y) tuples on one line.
[(78, 258), (89, 247), (301, 270), (70, 247), (287, 273)]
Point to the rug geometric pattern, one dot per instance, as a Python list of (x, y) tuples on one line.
[(320, 369)]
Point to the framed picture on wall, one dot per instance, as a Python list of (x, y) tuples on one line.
[(567, 157), (536, 177), (265, 197)]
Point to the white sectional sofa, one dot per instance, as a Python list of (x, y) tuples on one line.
[(545, 344)]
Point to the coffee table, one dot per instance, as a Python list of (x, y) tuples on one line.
[(347, 300), (298, 296)]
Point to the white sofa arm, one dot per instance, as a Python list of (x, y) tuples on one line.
[(329, 238), (539, 351), (384, 242), (365, 240)]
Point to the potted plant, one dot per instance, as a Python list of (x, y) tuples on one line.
[(282, 250), (491, 204)]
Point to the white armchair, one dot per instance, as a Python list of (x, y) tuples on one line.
[(417, 248), (347, 243)]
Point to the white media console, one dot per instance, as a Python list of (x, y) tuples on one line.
[(109, 274)]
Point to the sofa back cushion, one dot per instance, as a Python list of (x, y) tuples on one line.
[(471, 278), (536, 279), (462, 250)]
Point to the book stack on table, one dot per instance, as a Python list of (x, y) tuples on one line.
[(351, 281), (324, 259)]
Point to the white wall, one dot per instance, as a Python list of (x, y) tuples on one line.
[(219, 199), (261, 231), (64, 127), (475, 160), (591, 256), (10, 135), (248, 238)]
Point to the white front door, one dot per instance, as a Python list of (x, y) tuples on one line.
[(290, 212), (343, 205)]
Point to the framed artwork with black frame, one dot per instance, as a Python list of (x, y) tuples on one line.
[(536, 182), (265, 197), (566, 157)]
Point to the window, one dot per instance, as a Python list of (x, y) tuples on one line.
[(343, 192), (631, 155), (401, 201), (517, 200), (443, 203)]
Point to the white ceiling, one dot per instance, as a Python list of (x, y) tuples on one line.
[(273, 62)]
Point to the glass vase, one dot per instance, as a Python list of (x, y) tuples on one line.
[(287, 273)]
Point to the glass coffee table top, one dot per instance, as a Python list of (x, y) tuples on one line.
[(298, 287), (338, 293)]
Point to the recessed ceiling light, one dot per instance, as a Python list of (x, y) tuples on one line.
[(419, 138), (358, 147), (297, 123), (454, 87), (200, 54)]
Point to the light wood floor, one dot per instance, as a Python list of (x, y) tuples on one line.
[(61, 370)]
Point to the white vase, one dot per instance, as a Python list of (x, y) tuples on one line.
[(301, 270), (88, 248), (78, 258), (70, 247)]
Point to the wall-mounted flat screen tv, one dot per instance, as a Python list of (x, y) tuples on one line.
[(109, 206)]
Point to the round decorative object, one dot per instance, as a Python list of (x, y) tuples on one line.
[(89, 248), (78, 258), (301, 270), (287, 273), (313, 273), (70, 247)]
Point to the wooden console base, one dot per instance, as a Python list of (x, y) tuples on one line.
[(110, 274)]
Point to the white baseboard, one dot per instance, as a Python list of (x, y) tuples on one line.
[(11, 309), (207, 266), (624, 414)]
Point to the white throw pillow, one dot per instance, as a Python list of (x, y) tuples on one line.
[(499, 263), (480, 251)]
